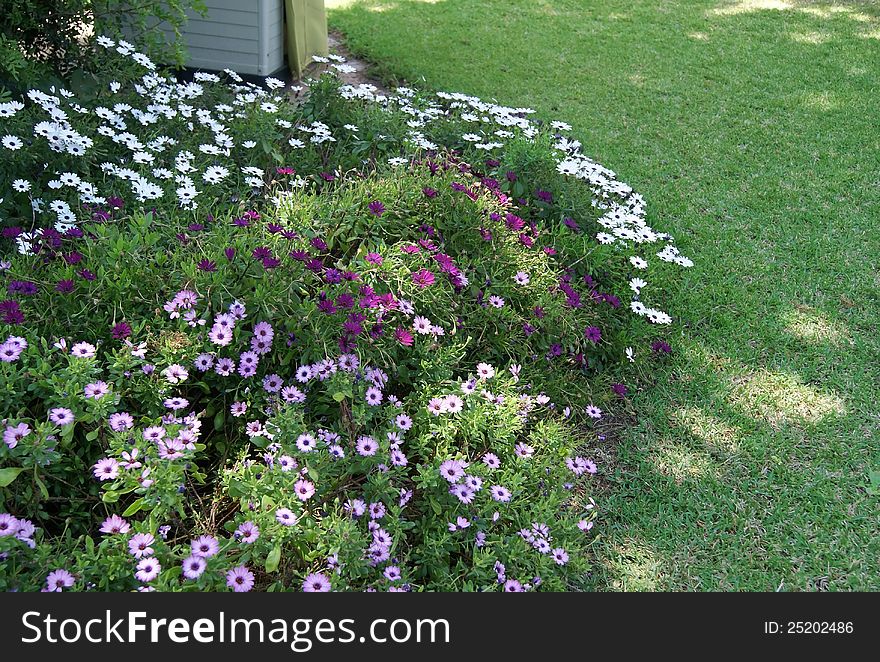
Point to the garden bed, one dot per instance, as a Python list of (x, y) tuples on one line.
[(360, 342)]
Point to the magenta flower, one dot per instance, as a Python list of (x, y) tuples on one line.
[(404, 337), (423, 278), (376, 208), (121, 331)]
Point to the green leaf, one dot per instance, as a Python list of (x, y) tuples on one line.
[(219, 420), (133, 508), (91, 436), (8, 475), (42, 486), (112, 496), (273, 559), (339, 396)]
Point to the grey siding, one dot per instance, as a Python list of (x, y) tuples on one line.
[(244, 35)]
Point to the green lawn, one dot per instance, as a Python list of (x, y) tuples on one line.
[(753, 130)]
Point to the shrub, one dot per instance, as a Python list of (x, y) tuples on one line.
[(356, 341)]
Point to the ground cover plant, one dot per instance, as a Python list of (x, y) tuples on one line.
[(255, 339), (750, 127)]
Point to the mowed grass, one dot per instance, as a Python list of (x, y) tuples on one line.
[(752, 128)]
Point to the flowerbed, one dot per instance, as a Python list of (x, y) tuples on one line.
[(353, 342)]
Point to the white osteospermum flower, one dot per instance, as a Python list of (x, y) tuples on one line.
[(638, 308), (10, 142), (21, 185), (636, 284), (249, 144), (630, 355), (638, 262), (10, 108), (215, 174)]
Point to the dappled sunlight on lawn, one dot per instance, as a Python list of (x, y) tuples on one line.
[(633, 566), (675, 460), (745, 6), (773, 396), (812, 8), (781, 398), (717, 433), (812, 37), (813, 326)]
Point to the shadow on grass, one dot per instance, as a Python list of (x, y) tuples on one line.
[(749, 126)]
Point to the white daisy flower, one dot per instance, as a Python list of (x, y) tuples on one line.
[(12, 143)]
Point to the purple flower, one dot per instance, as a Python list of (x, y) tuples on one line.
[(452, 470), (376, 208), (593, 334), (373, 396), (9, 525), (247, 532), (317, 583), (61, 416), (459, 524), (58, 580), (500, 494), (523, 450), (148, 569), (140, 544), (106, 469), (194, 566), (13, 434), (115, 524), (121, 331), (367, 446), (96, 390), (240, 579), (560, 556), (206, 546), (285, 516), (304, 489), (513, 586)]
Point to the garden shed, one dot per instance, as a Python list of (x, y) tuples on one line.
[(258, 37)]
